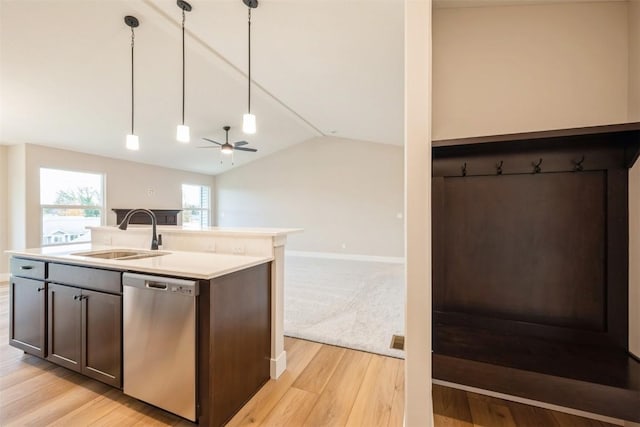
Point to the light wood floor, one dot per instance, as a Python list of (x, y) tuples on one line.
[(323, 386)]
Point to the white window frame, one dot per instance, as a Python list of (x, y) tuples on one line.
[(101, 208), (206, 209)]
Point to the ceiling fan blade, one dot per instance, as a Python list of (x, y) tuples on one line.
[(211, 140), (240, 143), (253, 150)]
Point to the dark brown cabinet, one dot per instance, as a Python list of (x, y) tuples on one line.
[(27, 329), (84, 332), (28, 308)]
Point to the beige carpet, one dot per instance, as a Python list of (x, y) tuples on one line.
[(352, 304)]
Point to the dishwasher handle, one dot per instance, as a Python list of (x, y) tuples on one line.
[(157, 285), (161, 284)]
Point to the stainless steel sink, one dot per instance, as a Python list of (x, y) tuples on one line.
[(121, 254)]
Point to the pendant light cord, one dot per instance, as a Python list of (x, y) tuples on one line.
[(249, 83), (183, 75), (132, 92)]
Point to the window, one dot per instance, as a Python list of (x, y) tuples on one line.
[(195, 205), (70, 202)]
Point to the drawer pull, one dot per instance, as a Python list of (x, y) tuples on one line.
[(26, 267), (40, 289)]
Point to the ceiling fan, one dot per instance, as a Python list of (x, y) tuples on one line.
[(227, 147)]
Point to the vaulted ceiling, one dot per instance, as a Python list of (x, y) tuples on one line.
[(320, 68)]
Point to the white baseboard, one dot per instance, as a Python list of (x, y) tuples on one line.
[(349, 257), (278, 365), (4, 277), (537, 403)]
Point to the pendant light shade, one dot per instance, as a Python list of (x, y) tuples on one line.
[(249, 123), (132, 142), (182, 131), (248, 119)]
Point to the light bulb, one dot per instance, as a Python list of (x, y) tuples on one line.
[(182, 133), (132, 142), (249, 123)]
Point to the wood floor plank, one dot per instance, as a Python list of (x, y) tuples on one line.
[(336, 401), (94, 410), (317, 374), (23, 369), (451, 407), (396, 419), (299, 355), (292, 410), (56, 406), (372, 406), (530, 416), (489, 412), (29, 394), (568, 420)]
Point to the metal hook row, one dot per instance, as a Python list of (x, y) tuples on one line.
[(577, 166)]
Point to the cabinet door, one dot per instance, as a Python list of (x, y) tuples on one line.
[(102, 337), (27, 329), (65, 320)]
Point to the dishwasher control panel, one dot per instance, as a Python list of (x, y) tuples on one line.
[(171, 285), (184, 290)]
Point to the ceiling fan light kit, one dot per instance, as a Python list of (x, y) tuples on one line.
[(248, 119), (132, 142), (228, 148), (182, 131)]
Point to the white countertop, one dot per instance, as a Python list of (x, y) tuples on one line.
[(197, 265), (217, 231)]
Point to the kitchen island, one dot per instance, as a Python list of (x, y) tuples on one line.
[(77, 322), (252, 241)]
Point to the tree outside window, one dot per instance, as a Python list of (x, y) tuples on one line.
[(70, 202)]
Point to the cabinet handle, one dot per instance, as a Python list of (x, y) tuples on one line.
[(76, 297), (40, 289), (26, 267)]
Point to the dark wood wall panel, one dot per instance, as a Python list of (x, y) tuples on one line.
[(527, 247)]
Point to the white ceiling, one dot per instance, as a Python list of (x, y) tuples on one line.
[(493, 3), (321, 68)]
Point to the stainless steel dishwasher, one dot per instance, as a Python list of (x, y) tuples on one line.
[(159, 349)]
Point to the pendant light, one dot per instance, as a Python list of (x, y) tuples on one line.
[(249, 120), (182, 132), (132, 138)]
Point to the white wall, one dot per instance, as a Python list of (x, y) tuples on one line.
[(418, 396), (634, 182), (512, 69), (340, 191), (16, 196), (128, 185), (4, 212)]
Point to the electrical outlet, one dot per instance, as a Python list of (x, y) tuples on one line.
[(343, 246), (150, 191), (238, 249)]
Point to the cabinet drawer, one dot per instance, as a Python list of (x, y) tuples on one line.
[(86, 277), (28, 268)]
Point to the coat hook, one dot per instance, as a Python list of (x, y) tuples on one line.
[(536, 166), (499, 167), (464, 169), (577, 164)]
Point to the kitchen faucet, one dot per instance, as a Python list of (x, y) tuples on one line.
[(127, 218)]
